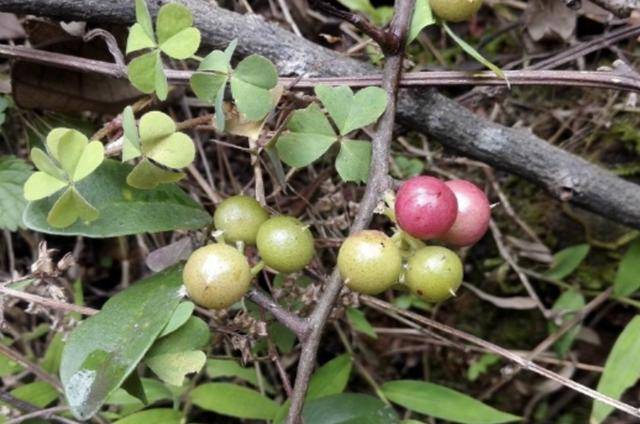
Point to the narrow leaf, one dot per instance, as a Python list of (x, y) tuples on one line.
[(233, 400), (628, 276), (567, 260), (422, 18), (359, 321), (348, 408), (331, 378), (156, 416), (144, 18)]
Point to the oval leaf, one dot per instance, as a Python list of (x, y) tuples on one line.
[(441, 402), (156, 416), (567, 260), (233, 400), (628, 276), (348, 408), (103, 350)]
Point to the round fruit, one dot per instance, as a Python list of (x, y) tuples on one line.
[(240, 217), (455, 10), (474, 213), (216, 276), (285, 244), (369, 262), (425, 207), (434, 273)]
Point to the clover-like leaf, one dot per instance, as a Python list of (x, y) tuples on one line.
[(44, 163), (310, 135), (77, 157), (160, 142), (130, 139), (70, 207), (142, 71), (353, 160), (147, 176), (349, 111), (143, 18), (176, 35), (41, 185), (251, 83), (138, 39)]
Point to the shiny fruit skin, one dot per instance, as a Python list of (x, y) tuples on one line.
[(425, 207), (240, 217), (474, 213), (455, 10), (285, 244), (216, 276), (434, 273), (369, 262)]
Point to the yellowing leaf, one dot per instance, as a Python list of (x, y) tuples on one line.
[(70, 149), (43, 162), (173, 367), (155, 126), (91, 158), (41, 185), (70, 207)]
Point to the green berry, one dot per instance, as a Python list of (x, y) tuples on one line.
[(216, 276), (434, 273), (369, 262), (240, 217), (285, 244), (455, 10)]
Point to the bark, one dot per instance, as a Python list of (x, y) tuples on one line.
[(564, 175)]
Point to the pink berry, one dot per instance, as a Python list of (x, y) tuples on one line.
[(474, 213), (425, 207)]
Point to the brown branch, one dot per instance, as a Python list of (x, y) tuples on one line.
[(46, 302), (35, 369), (620, 8), (286, 318), (377, 184)]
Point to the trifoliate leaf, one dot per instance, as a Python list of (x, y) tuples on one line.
[(130, 140), (53, 140), (13, 174), (41, 185), (350, 111), (142, 71), (161, 143), (310, 135), (44, 163), (353, 160), (207, 85), (154, 126), (147, 176), (216, 61), (70, 207), (70, 149), (138, 39), (144, 18), (162, 86), (251, 82)]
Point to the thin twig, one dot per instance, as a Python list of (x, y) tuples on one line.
[(286, 318), (523, 362), (35, 369), (49, 303)]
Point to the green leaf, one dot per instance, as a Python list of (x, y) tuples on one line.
[(154, 390), (92, 156), (138, 39), (160, 141), (348, 408), (38, 393), (69, 149), (282, 337), (144, 18), (353, 160), (379, 15), (621, 371), (570, 300), (441, 402), (70, 207), (310, 136), (172, 368), (358, 321), (474, 53), (13, 175), (53, 355), (172, 19), (156, 416), (8, 366), (406, 168), (180, 316), (481, 366), (331, 378), (217, 368), (183, 45), (251, 85), (207, 85), (44, 163), (133, 386), (349, 111), (567, 260), (123, 210), (104, 349), (142, 71), (130, 140), (233, 400), (147, 176), (193, 335), (160, 80), (422, 18), (627, 279)]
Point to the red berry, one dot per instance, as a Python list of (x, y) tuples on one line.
[(474, 213), (425, 207)]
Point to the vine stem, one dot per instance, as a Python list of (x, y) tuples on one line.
[(378, 183)]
